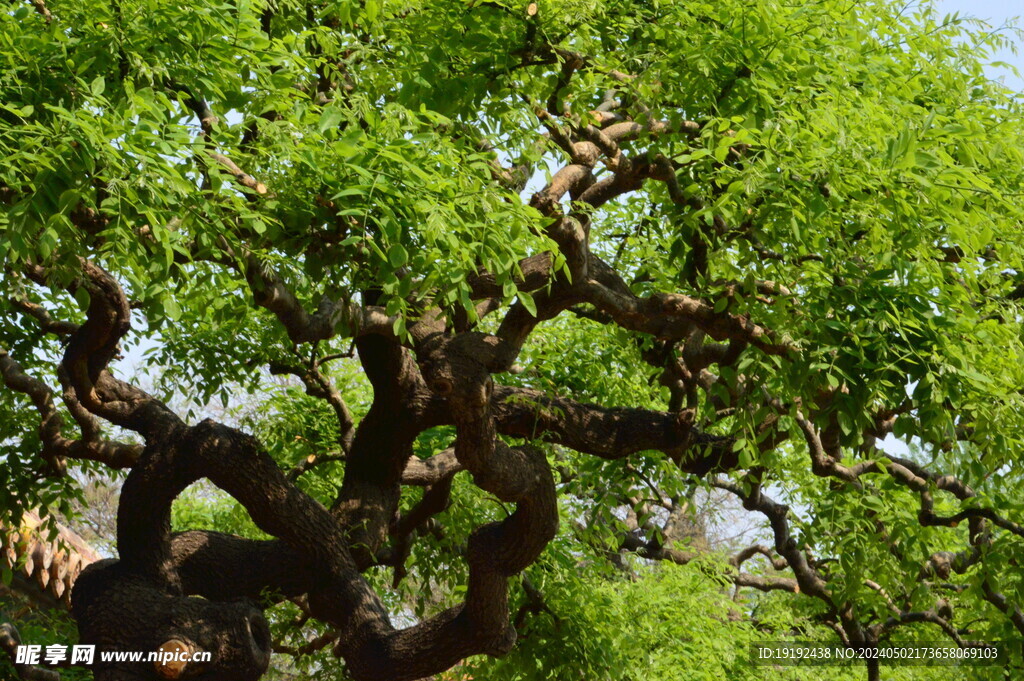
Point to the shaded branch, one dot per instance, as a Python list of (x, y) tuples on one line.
[(320, 386), (57, 448), (270, 292), (46, 321), (608, 432), (42, 10), (91, 349), (10, 639)]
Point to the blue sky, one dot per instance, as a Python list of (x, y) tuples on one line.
[(996, 13)]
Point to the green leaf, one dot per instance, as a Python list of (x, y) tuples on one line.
[(527, 301), (82, 297), (330, 118), (397, 255), (172, 309), (873, 503)]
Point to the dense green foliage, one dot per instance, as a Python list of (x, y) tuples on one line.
[(842, 174)]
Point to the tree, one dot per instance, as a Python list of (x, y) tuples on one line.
[(547, 274)]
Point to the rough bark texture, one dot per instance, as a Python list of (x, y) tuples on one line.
[(206, 590)]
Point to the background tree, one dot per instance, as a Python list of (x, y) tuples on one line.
[(549, 275)]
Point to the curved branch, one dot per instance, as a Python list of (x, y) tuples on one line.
[(807, 577), (56, 447), (51, 424), (222, 567), (47, 322), (609, 432), (425, 472), (94, 345), (382, 444), (10, 639), (270, 292), (318, 385)]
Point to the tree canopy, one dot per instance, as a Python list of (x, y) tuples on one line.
[(479, 315)]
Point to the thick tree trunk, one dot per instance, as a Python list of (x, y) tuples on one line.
[(118, 611)]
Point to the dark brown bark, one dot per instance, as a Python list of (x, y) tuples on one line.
[(314, 554), (118, 610), (206, 589)]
